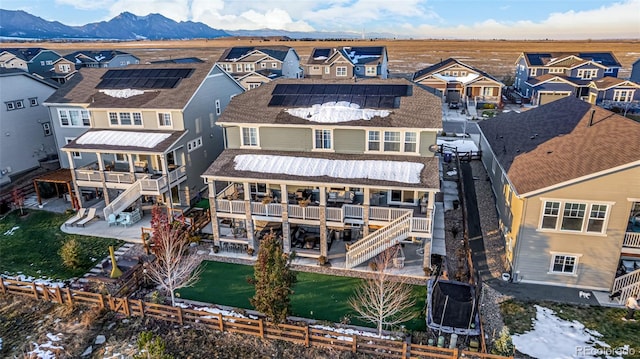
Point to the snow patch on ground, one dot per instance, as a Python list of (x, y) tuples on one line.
[(543, 341), (215, 311), (24, 278), (10, 232), (348, 331), (334, 112), (46, 350), (461, 145), (405, 172)]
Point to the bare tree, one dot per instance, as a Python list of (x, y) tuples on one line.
[(382, 301), (175, 266)]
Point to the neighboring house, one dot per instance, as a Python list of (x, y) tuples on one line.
[(25, 129), (254, 66), (566, 177), (330, 159), (181, 60), (9, 60), (144, 130), (104, 58), (348, 62), (545, 77), (62, 70), (459, 82), (39, 61), (635, 71), (612, 92)]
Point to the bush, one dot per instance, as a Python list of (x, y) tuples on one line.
[(504, 344), (322, 261), (70, 254), (151, 346), (250, 251)]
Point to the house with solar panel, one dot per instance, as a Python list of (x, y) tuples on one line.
[(340, 170), (459, 82), (616, 94), (37, 61), (141, 133), (566, 176), (102, 58), (253, 66), (348, 62), (544, 77)]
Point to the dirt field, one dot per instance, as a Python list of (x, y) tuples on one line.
[(405, 56)]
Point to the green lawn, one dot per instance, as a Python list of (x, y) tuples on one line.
[(33, 248), (607, 321), (316, 296)]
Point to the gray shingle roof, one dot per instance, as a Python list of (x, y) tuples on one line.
[(436, 67), (420, 109), (554, 143), (234, 53)]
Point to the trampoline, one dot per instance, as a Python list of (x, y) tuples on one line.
[(451, 307)]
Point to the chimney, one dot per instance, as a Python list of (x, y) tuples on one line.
[(593, 112)]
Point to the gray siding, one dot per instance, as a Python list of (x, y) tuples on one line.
[(426, 139), (286, 139), (291, 65), (349, 141), (62, 133)]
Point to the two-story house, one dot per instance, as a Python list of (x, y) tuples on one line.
[(143, 130), (566, 176), (38, 61), (545, 77), (459, 82), (613, 92), (104, 58), (325, 159), (25, 129), (253, 66), (348, 62)]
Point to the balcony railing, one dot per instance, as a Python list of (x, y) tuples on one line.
[(177, 174), (631, 239), (88, 175), (119, 177)]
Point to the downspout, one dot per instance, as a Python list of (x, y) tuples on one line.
[(516, 251)]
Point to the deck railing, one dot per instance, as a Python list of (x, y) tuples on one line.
[(123, 200), (177, 174), (227, 206), (378, 241), (88, 175), (387, 214), (627, 284), (631, 239)]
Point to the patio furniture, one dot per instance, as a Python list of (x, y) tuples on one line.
[(91, 215), (112, 220), (124, 219), (75, 218)]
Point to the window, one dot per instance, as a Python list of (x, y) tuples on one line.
[(74, 118), (487, 91), (371, 70), (195, 144), (248, 67), (447, 73), (164, 119), (403, 196), (564, 264), (75, 155), (573, 216), (33, 101), (322, 140), (10, 106), (263, 65), (623, 95), (218, 107), (374, 141), (121, 158), (125, 118), (253, 85), (41, 63), (341, 71), (391, 141), (556, 70), (249, 136), (327, 70), (238, 67), (463, 73), (454, 73), (550, 216), (19, 104), (274, 65), (49, 62), (65, 68), (410, 142), (608, 70), (587, 74), (532, 72), (46, 128)]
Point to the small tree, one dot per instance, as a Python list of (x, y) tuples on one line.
[(273, 279), (151, 346), (70, 254), (18, 199), (383, 302), (175, 266), (504, 344)]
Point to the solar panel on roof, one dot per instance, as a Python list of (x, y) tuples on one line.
[(387, 102), (302, 101), (372, 102), (143, 78), (289, 100), (318, 89), (276, 100), (305, 89)]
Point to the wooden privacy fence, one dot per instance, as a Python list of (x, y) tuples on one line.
[(298, 334)]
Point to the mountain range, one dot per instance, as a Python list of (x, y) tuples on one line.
[(20, 25)]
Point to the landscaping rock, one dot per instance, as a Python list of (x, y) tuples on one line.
[(100, 339), (87, 351)]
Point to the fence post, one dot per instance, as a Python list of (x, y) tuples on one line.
[(58, 295), (142, 308), (69, 298), (455, 352), (306, 336), (127, 311), (180, 315), (261, 325), (35, 290), (354, 345), (2, 287), (221, 322), (102, 302), (404, 350), (45, 292)]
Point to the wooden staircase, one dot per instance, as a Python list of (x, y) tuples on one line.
[(378, 241), (627, 284), (124, 200)]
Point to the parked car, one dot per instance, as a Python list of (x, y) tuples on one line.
[(454, 105)]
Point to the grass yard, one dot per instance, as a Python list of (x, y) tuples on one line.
[(607, 321), (316, 296), (32, 249)]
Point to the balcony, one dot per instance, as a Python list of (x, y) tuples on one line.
[(631, 240), (152, 184)]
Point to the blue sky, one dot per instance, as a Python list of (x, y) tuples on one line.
[(483, 19)]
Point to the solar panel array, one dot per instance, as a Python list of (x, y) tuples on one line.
[(143, 78), (366, 96)]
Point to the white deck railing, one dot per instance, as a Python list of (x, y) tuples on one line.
[(88, 175), (351, 211), (335, 214), (227, 206), (119, 177), (123, 200), (387, 214), (627, 284), (299, 212), (177, 174), (268, 210), (378, 241), (154, 184), (631, 239)]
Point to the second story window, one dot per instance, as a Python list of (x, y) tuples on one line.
[(248, 67), (327, 70), (374, 141), (238, 67), (623, 95), (33, 101), (322, 140), (341, 71), (587, 74), (125, 118), (74, 118), (577, 217), (274, 65), (65, 68), (410, 142), (371, 70), (533, 72), (218, 107), (250, 136), (164, 119), (46, 128), (391, 141)]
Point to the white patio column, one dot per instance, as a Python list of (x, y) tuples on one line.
[(323, 222), (366, 204), (76, 188), (253, 243), (105, 190), (130, 159), (215, 227), (286, 228)]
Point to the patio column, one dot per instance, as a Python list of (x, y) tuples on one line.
[(426, 260), (215, 227), (76, 188), (286, 232), (323, 222), (249, 218), (103, 178), (366, 204), (130, 159)]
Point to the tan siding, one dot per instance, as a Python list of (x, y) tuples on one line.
[(600, 254), (286, 139), (349, 141)]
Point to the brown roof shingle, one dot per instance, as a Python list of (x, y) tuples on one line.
[(559, 142)]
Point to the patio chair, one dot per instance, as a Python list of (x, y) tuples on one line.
[(91, 215), (75, 218), (112, 220)]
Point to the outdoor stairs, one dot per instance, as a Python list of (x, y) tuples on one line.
[(97, 269), (471, 107), (124, 200), (437, 241), (379, 241), (627, 285)]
